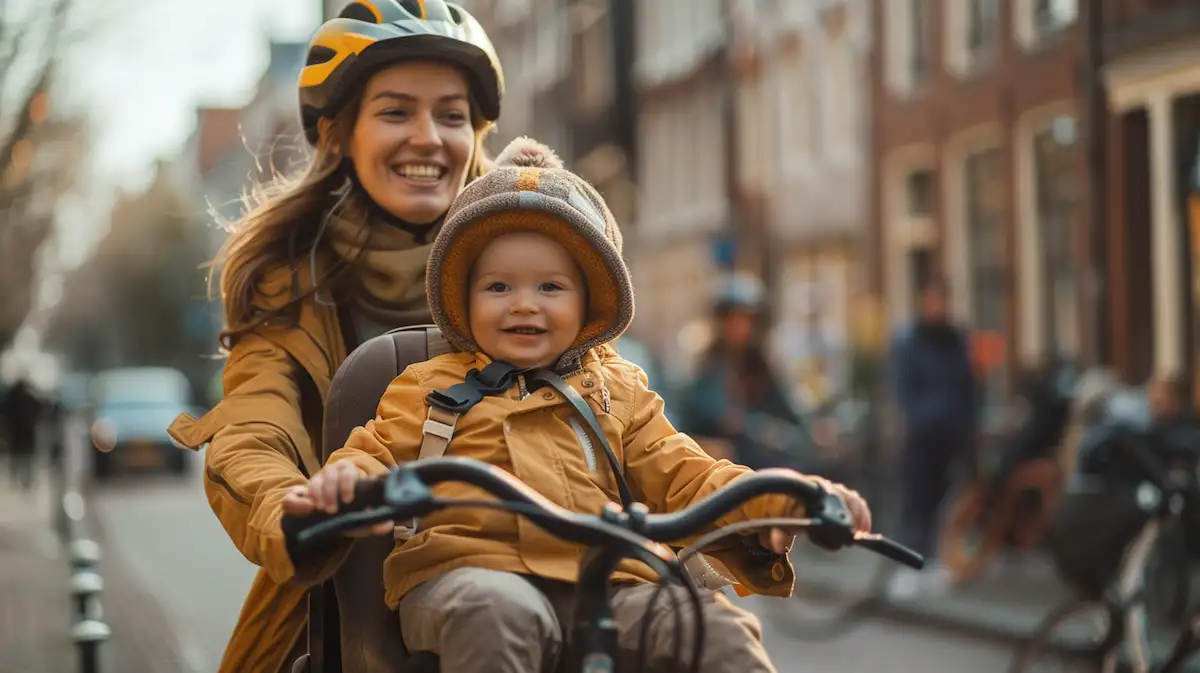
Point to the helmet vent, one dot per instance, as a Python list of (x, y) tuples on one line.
[(456, 13), (412, 7), (358, 12), (320, 54)]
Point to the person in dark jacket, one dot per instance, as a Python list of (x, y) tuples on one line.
[(939, 397), (23, 409), (736, 396)]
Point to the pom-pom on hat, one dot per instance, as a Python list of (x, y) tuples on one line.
[(528, 189)]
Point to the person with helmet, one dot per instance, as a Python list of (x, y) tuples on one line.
[(736, 398), (396, 98)]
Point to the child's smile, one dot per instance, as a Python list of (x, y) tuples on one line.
[(526, 300)]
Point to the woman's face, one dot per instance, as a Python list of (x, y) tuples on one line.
[(413, 139)]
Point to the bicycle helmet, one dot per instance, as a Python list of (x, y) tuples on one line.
[(739, 291), (370, 34)]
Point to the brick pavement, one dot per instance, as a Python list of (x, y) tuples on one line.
[(35, 610)]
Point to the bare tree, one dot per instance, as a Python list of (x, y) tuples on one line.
[(34, 169)]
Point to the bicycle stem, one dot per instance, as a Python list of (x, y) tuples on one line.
[(594, 647)]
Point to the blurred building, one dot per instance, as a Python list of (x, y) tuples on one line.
[(980, 168), (802, 116), (683, 196), (1151, 57)]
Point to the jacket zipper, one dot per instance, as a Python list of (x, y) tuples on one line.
[(521, 390), (585, 443)]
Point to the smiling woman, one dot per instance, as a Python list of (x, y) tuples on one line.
[(413, 141), (396, 99)]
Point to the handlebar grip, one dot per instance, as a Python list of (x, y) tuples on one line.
[(892, 550), (302, 531)]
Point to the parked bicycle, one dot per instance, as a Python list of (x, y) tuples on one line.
[(1012, 505), (1140, 491)]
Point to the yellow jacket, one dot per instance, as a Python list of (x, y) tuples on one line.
[(537, 438), (260, 436)]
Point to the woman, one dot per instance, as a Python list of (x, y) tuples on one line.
[(396, 99), (736, 397)]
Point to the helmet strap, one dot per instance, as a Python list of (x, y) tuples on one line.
[(419, 232)]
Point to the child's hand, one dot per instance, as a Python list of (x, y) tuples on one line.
[(780, 540)]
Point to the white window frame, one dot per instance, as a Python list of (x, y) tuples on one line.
[(899, 49), (960, 59), (902, 231)]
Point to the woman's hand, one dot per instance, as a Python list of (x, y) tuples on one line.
[(780, 540), (332, 485)]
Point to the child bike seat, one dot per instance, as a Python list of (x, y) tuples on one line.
[(350, 628)]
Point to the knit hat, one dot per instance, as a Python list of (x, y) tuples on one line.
[(529, 190)]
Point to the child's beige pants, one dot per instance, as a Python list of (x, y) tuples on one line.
[(481, 621)]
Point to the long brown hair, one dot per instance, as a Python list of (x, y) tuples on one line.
[(282, 223)]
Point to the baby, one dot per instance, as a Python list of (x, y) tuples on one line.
[(527, 270)]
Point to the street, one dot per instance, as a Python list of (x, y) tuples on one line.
[(164, 532)]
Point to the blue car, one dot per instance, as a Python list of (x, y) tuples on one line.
[(134, 406)]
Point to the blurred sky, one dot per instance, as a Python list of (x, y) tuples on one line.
[(137, 71), (141, 71)]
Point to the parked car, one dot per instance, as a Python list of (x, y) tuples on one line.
[(133, 408)]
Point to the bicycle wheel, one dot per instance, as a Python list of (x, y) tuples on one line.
[(1076, 637), (1141, 635), (836, 589), (833, 591), (969, 542)]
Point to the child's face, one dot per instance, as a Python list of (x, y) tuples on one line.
[(526, 300)]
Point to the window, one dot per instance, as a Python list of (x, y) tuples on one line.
[(919, 191), (981, 28), (920, 58), (987, 273), (1057, 181), (840, 94), (795, 116), (593, 51)]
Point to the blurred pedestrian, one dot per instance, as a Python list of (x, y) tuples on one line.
[(940, 399), (23, 409), (736, 397)]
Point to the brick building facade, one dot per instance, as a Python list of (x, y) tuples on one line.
[(979, 168), (1151, 51)]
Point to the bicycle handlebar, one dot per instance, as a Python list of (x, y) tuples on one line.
[(405, 493)]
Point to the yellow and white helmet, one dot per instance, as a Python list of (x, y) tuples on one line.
[(370, 34)]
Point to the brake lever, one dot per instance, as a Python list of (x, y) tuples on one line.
[(831, 528)]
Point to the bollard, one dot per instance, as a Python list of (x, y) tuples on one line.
[(84, 553), (85, 592), (73, 511), (88, 636)]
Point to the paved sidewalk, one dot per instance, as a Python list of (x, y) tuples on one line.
[(35, 610), (1007, 604)]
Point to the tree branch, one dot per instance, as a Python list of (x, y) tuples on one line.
[(58, 17)]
